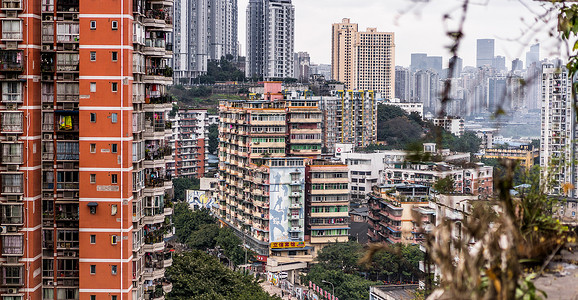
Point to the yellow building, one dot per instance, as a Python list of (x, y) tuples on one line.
[(525, 155)]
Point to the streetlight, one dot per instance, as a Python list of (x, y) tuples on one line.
[(332, 286)]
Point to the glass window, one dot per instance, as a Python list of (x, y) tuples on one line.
[(12, 244)]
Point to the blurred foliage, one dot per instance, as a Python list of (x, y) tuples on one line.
[(197, 275)]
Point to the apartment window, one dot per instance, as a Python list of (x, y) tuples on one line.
[(113, 239), (92, 269), (114, 56), (113, 297), (11, 214), (93, 117), (114, 86), (114, 25), (93, 87), (92, 55), (12, 29), (114, 148), (93, 238), (92, 297), (113, 269), (92, 148), (12, 275), (114, 178), (113, 117), (12, 244), (92, 178), (93, 25)]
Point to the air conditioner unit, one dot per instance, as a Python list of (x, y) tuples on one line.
[(11, 45), (11, 14), (3, 229), (11, 106), (11, 138), (12, 291), (12, 229), (47, 136), (12, 260), (13, 167), (75, 17)]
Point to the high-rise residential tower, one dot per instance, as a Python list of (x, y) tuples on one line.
[(270, 30), (485, 52), (557, 146), (363, 60), (83, 214), (533, 56), (204, 30)]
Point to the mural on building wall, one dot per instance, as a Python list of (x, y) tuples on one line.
[(280, 202), (199, 199)]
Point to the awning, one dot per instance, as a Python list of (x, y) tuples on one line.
[(291, 249), (92, 204)]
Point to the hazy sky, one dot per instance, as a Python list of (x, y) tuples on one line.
[(419, 28)]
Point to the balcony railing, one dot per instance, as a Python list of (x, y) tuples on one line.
[(11, 60)]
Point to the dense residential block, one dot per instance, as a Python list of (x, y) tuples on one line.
[(189, 143), (83, 208)]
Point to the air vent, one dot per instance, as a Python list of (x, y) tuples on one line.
[(11, 45), (12, 260), (11, 14), (13, 167), (11, 138)]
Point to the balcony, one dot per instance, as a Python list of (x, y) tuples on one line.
[(11, 60)]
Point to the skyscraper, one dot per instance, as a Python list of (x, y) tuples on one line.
[(402, 83), (270, 29), (557, 147), (204, 30), (485, 52), (517, 65), (364, 60), (533, 56), (458, 65), (84, 210)]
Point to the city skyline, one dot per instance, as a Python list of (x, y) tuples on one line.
[(483, 22)]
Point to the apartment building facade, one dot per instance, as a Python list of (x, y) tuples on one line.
[(78, 159), (189, 143), (557, 147), (270, 39), (267, 149), (363, 60)]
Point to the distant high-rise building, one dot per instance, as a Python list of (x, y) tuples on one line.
[(499, 63), (485, 52), (302, 66), (497, 96), (402, 83), (270, 38), (204, 30), (517, 65), (418, 62), (458, 65), (364, 60), (435, 63), (321, 69), (533, 56), (557, 147), (425, 89)]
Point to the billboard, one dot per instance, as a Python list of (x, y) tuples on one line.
[(280, 214)]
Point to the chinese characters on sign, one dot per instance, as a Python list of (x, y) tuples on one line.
[(277, 245)]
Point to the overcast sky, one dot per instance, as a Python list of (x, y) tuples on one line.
[(419, 28)]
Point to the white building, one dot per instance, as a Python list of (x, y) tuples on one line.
[(409, 107), (454, 125), (558, 133), (189, 143), (270, 30)]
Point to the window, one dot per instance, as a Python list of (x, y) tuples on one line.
[(92, 25), (12, 244), (114, 178), (113, 297), (113, 117), (92, 117), (113, 210), (12, 183), (92, 178), (93, 87), (114, 148), (92, 269), (114, 56), (114, 25), (12, 29), (113, 239), (92, 297), (113, 269), (12, 214), (12, 153), (92, 55), (92, 148), (93, 238), (12, 275), (114, 86)]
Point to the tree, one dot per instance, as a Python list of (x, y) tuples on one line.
[(341, 256), (181, 184), (213, 138), (197, 275), (204, 238), (445, 185)]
